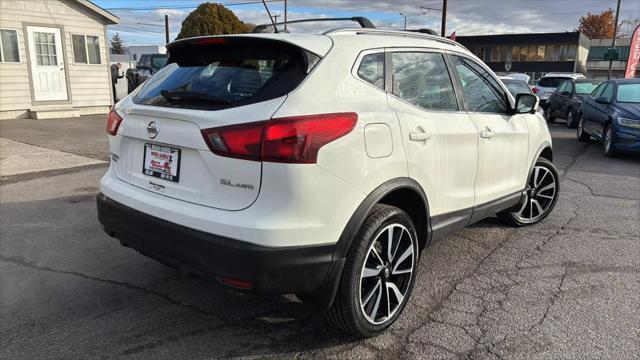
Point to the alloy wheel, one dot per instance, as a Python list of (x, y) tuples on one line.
[(387, 272), (580, 127), (539, 195), (570, 119)]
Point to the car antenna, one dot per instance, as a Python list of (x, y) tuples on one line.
[(275, 27)]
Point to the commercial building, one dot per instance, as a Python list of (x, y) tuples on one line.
[(532, 54), (598, 67)]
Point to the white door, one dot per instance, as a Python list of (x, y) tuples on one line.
[(440, 140), (47, 64), (504, 140)]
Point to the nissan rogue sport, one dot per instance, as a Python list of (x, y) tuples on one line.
[(320, 164)]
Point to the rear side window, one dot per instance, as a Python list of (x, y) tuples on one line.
[(608, 92), (585, 87), (551, 82), (422, 79), (371, 69), (217, 76)]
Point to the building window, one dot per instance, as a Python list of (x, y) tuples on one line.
[(532, 52), (135, 57), (86, 49), (548, 54), (572, 51), (9, 46), (540, 54)]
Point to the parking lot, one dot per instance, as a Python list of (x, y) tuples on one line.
[(566, 288)]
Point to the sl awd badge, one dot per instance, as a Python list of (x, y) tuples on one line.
[(152, 129)]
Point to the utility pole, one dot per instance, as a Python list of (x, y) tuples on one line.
[(405, 20), (443, 28), (285, 16), (275, 17), (613, 41), (166, 28)]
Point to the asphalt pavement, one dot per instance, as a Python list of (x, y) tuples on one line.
[(568, 288)]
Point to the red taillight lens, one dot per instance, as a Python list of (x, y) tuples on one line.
[(239, 141), (292, 140), (536, 90), (113, 122), (298, 139)]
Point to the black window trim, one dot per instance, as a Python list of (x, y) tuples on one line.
[(389, 76), (506, 93)]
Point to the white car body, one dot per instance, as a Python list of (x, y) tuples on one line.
[(468, 165)]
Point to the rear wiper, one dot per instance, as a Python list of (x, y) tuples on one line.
[(181, 95)]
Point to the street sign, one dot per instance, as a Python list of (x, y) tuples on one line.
[(611, 54)]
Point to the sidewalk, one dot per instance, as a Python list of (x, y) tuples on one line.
[(84, 136), (40, 147)]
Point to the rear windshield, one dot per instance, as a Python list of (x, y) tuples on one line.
[(551, 82), (217, 76), (586, 87), (628, 93), (516, 87)]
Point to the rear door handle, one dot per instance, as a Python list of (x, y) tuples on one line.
[(487, 133), (419, 136)]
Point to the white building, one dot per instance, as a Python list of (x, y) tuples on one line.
[(54, 58)]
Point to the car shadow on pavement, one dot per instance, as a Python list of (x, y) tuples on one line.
[(67, 275)]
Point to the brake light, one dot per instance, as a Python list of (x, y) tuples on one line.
[(113, 122), (536, 90), (291, 140), (211, 41)]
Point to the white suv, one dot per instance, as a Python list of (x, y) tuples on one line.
[(320, 165)]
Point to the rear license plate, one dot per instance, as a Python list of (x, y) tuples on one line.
[(162, 162)]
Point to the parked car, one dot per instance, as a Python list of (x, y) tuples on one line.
[(611, 115), (548, 84), (291, 163), (566, 100), (516, 87), (148, 65)]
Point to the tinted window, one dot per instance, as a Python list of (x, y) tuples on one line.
[(608, 92), (551, 82), (628, 93), (158, 61), (223, 76), (482, 92), (422, 79), (371, 69), (597, 91), (585, 87), (564, 86), (516, 87)]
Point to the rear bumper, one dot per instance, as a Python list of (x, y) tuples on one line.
[(266, 269)]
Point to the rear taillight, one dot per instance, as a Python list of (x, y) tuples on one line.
[(536, 90), (292, 140), (113, 122)]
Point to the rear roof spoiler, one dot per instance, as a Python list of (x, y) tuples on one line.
[(364, 23)]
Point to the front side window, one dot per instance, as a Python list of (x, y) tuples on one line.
[(371, 69), (607, 93), (564, 86), (422, 79), (9, 46), (584, 88), (481, 91), (597, 91), (86, 49)]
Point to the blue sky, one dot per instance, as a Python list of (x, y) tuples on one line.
[(141, 21)]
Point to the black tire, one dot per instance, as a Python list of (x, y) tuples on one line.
[(548, 116), (571, 119), (580, 133), (349, 309), (538, 190), (607, 141)]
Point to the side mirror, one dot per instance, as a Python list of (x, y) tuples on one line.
[(565, 93), (526, 103), (602, 100)]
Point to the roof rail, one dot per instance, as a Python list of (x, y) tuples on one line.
[(408, 34), (362, 21)]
